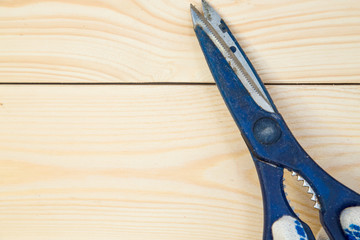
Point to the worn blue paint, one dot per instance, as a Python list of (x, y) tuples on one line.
[(300, 230), (275, 203), (272, 154), (353, 232)]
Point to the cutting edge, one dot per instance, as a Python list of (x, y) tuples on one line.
[(212, 23)]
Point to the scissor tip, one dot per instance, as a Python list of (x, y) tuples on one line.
[(195, 15), (204, 2), (192, 7), (205, 5)]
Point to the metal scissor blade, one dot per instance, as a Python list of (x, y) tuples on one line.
[(221, 36)]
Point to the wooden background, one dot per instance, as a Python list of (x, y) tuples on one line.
[(87, 152)]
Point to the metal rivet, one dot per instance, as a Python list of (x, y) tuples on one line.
[(267, 131)]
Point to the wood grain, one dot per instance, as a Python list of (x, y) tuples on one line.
[(153, 41), (153, 162)]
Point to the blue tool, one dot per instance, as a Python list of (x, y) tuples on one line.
[(271, 144)]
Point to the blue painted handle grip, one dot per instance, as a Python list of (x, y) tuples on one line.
[(275, 203)]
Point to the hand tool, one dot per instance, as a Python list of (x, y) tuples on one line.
[(270, 142)]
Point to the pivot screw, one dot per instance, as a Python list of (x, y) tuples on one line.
[(267, 131)]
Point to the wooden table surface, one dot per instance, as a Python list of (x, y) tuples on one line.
[(90, 152)]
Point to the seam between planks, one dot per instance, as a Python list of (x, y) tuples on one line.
[(174, 83)]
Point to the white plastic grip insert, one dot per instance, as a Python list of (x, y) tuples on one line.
[(350, 223), (288, 228)]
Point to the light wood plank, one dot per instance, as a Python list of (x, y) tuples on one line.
[(156, 162), (153, 41)]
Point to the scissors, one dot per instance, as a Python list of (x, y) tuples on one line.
[(271, 143)]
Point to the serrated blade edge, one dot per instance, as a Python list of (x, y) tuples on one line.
[(248, 82)]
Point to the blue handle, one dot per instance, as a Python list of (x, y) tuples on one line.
[(275, 203)]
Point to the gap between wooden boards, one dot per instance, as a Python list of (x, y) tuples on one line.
[(173, 83)]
